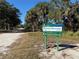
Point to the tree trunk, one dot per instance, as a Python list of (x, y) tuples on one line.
[(8, 26), (33, 28), (5, 27)]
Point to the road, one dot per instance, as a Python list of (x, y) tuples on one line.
[(6, 39)]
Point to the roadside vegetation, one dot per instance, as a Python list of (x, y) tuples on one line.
[(9, 16), (29, 46), (57, 10)]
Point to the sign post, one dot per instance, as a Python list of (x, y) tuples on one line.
[(54, 30), (46, 41)]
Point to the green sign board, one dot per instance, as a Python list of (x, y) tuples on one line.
[(54, 30)]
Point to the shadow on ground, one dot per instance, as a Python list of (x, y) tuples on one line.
[(66, 46)]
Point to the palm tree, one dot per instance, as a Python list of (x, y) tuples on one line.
[(37, 16), (57, 7)]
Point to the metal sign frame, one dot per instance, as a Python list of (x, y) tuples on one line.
[(54, 30)]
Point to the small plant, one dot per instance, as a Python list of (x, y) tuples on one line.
[(69, 33), (77, 33)]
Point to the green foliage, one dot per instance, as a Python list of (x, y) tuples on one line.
[(76, 34), (9, 16), (27, 27), (36, 16), (55, 9), (42, 11)]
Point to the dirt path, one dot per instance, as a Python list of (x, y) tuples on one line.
[(71, 52), (6, 39)]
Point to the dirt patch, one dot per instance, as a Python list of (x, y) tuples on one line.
[(24, 48), (71, 52), (29, 45)]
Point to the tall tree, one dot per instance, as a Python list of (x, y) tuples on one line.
[(56, 7), (72, 22), (37, 16), (9, 16)]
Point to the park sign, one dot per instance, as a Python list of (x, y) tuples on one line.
[(52, 29)]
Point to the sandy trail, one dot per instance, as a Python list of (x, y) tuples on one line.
[(6, 39), (68, 53)]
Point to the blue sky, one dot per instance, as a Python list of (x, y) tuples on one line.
[(25, 5), (74, 1)]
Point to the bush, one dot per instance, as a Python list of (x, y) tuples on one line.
[(69, 33), (77, 33)]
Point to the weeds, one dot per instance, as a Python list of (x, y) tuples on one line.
[(24, 47)]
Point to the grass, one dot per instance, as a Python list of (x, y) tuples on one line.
[(24, 48), (70, 37)]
